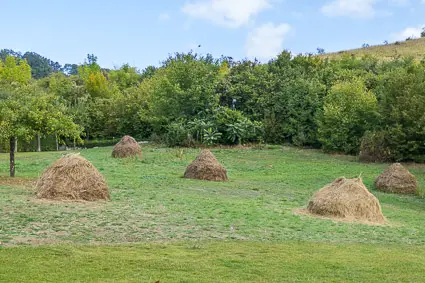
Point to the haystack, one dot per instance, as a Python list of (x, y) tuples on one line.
[(347, 199), (397, 179), (206, 167), (72, 177), (127, 147)]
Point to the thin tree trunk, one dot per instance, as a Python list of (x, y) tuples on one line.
[(74, 144), (57, 142), (12, 156), (38, 143)]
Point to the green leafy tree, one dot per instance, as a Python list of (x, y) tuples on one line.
[(41, 67), (349, 111), (401, 95), (183, 87), (94, 78), (14, 71), (125, 77), (26, 112)]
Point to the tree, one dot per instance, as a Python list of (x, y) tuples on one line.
[(183, 87), (27, 112), (93, 77), (70, 69), (320, 51), (423, 32), (41, 67), (14, 71), (125, 77), (349, 111)]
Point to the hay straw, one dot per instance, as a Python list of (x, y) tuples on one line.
[(127, 147), (347, 199), (72, 178), (397, 179), (206, 167)]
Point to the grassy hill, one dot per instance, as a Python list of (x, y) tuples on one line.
[(414, 48)]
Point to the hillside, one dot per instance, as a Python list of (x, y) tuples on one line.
[(414, 48)]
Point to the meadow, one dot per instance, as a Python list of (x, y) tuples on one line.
[(414, 48), (160, 227)]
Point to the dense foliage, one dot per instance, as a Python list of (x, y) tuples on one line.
[(349, 105)]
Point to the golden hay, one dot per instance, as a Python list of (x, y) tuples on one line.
[(206, 167), (347, 199), (127, 147), (72, 177), (397, 179)]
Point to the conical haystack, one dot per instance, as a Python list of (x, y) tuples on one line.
[(397, 179), (72, 178), (127, 147), (347, 199), (206, 167)]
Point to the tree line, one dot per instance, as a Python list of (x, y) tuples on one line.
[(348, 105)]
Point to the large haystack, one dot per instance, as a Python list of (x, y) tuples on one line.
[(72, 178), (397, 179), (127, 147), (206, 167), (347, 199)]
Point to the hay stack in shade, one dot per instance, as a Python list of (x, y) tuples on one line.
[(72, 177), (206, 167), (347, 199), (127, 147), (397, 179)]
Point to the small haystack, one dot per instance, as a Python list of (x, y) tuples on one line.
[(72, 177), (206, 167), (397, 179), (127, 147), (347, 199)]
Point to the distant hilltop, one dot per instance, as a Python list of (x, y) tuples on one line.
[(411, 47)]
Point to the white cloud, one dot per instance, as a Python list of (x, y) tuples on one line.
[(230, 13), (164, 17), (351, 8), (401, 2), (414, 32), (360, 8), (266, 41)]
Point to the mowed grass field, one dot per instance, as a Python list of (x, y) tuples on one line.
[(161, 227)]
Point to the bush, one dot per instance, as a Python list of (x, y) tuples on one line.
[(374, 147), (349, 111), (178, 134), (402, 106), (235, 127)]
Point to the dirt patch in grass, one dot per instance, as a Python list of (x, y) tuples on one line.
[(17, 181)]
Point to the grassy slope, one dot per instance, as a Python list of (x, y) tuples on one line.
[(250, 220), (414, 48)]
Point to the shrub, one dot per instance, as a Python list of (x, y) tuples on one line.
[(178, 134), (374, 147), (349, 111), (401, 94)]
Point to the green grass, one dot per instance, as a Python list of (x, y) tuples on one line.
[(413, 48), (214, 262), (173, 228)]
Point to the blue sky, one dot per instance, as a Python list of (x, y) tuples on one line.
[(144, 32)]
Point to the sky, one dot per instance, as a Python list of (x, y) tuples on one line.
[(145, 32)]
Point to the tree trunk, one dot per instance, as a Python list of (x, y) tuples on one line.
[(74, 144), (12, 156), (57, 142), (38, 143)]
